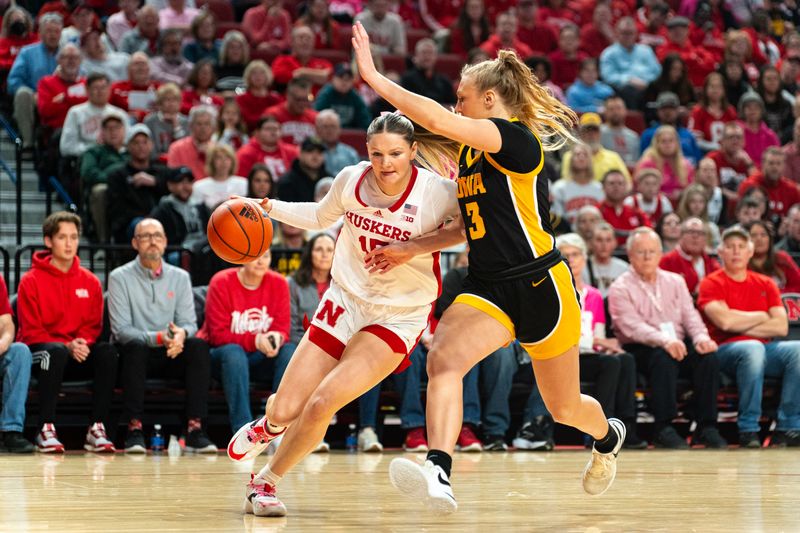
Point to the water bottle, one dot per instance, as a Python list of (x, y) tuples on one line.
[(351, 442), (157, 440), (174, 447)]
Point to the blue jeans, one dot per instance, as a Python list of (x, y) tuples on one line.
[(15, 369), (497, 376), (412, 412), (749, 362), (231, 365)]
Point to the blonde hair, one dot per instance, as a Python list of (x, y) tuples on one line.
[(167, 90), (254, 65), (588, 171), (677, 161), (224, 149), (519, 89), (695, 189)]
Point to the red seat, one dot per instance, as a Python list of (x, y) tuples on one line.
[(334, 56), (267, 57), (355, 138), (635, 121), (222, 10), (394, 62), (225, 27), (345, 34), (413, 36), (450, 65)]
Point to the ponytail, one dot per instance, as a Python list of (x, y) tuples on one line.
[(520, 91)]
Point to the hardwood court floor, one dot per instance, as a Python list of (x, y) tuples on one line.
[(694, 490)]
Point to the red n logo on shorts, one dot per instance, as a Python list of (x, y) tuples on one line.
[(330, 312)]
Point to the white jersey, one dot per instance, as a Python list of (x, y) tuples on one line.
[(428, 201)]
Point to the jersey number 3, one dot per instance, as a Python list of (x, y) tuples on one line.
[(476, 228)]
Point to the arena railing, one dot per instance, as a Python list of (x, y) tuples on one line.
[(15, 175), (6, 265), (55, 185)]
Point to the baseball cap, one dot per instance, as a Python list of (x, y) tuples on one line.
[(677, 22), (112, 115), (312, 143), (590, 120), (667, 99), (139, 129), (179, 174), (342, 69), (735, 231)]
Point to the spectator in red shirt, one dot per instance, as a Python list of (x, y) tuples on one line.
[(689, 257), (699, 62), (266, 148), (201, 83), (137, 95), (651, 24), (17, 31), (783, 193), (733, 163), (300, 63), (540, 37), (745, 316), (470, 29), (57, 93), (268, 27), (318, 18), (297, 118), (555, 13), (623, 218), (257, 96), (792, 151), (567, 59), (711, 113), (247, 324), (191, 151), (60, 312), (505, 37), (775, 264), (598, 34)]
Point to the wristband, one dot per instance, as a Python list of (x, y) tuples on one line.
[(159, 338)]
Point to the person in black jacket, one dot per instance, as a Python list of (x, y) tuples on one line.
[(423, 78), (184, 223), (134, 187), (298, 184)]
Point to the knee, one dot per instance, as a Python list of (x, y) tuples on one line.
[(319, 407), (752, 355), (18, 356), (281, 414), (626, 362), (230, 356), (563, 411), (135, 349), (441, 361)]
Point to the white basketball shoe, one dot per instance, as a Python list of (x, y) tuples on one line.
[(251, 439), (261, 500), (599, 474), (427, 483)]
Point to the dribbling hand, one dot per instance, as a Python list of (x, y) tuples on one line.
[(266, 203), (385, 258), (361, 49)]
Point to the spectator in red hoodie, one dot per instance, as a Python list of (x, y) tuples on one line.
[(257, 96), (17, 31), (136, 95), (296, 116), (540, 37), (598, 34), (623, 218), (60, 313), (783, 193), (200, 88), (266, 147), (247, 323), (300, 63), (267, 27), (567, 59), (58, 92), (689, 257), (505, 38)]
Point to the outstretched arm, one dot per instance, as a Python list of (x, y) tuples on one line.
[(480, 134), (309, 215)]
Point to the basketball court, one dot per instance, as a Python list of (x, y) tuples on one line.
[(696, 490)]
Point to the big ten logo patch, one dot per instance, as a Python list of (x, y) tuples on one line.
[(330, 312), (791, 301), (248, 211)]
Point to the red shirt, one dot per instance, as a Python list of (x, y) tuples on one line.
[(680, 263), (492, 46), (5, 305), (445, 12), (699, 62), (259, 26), (782, 194), (294, 128), (191, 98), (559, 17), (120, 91), (54, 97), (731, 175), (56, 306), (235, 314), (252, 107), (624, 219), (710, 125), (184, 153), (791, 273), (651, 37), (593, 41), (10, 47), (542, 38), (565, 70), (284, 66), (278, 161), (755, 293)]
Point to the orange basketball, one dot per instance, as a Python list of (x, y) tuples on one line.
[(239, 231)]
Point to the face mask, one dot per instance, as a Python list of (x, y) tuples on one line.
[(18, 28)]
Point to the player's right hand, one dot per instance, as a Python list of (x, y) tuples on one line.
[(266, 203)]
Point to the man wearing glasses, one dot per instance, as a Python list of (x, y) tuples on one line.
[(655, 319), (153, 323)]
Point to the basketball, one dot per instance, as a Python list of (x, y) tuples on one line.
[(239, 231)]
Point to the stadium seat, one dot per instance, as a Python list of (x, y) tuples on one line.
[(450, 65), (334, 56), (225, 27), (345, 34), (221, 9), (267, 57), (413, 36), (395, 62), (791, 301), (355, 138), (635, 121)]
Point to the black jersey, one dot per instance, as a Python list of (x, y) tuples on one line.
[(504, 203)]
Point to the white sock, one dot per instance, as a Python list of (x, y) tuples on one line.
[(274, 429), (265, 474)]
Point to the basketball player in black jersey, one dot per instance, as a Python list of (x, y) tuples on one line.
[(518, 285)]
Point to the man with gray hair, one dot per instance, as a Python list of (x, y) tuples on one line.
[(628, 66), (655, 319), (60, 91), (791, 241), (337, 155), (689, 258), (191, 150), (144, 37), (34, 62), (423, 78)]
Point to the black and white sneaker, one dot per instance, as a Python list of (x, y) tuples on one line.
[(535, 436), (134, 442), (198, 442), (427, 483), (599, 474), (494, 443)]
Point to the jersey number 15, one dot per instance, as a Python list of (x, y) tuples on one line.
[(367, 245)]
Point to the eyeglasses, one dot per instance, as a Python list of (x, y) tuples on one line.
[(643, 253), (150, 237)]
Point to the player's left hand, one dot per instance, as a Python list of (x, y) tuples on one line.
[(385, 258)]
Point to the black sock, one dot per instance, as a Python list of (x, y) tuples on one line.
[(607, 443), (441, 459)]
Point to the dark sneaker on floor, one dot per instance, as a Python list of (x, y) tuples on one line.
[(134, 442), (782, 439), (749, 440), (669, 438), (536, 436), (634, 442), (198, 442), (15, 442), (495, 443), (710, 438)]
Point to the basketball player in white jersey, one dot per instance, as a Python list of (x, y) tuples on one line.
[(365, 326)]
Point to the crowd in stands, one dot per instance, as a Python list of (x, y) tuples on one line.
[(678, 209)]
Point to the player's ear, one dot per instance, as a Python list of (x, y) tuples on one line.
[(489, 99), (414, 148)]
